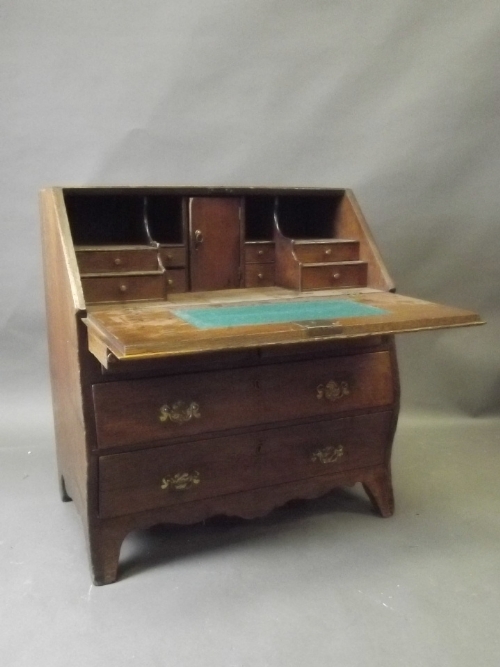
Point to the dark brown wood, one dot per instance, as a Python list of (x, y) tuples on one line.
[(259, 275), (113, 260), (177, 474), (127, 287), (134, 412), (310, 252), (176, 281), (333, 275), (159, 422), (215, 241), (259, 252), (173, 256)]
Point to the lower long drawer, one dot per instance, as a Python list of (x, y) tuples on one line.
[(163, 476)]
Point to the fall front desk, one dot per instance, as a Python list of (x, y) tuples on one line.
[(218, 351)]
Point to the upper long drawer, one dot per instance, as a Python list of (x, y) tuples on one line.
[(139, 411)]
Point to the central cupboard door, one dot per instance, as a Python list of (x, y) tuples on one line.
[(215, 242)]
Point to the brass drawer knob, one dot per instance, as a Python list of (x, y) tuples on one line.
[(117, 261), (260, 276), (169, 256), (181, 481), (328, 251), (336, 275), (179, 412), (332, 390), (123, 288), (170, 281), (260, 252), (329, 454)]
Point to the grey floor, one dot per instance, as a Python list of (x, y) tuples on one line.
[(319, 583)]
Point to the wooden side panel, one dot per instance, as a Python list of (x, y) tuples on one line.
[(63, 301), (351, 224), (215, 230)]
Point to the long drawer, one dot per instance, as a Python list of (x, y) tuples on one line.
[(139, 411), (175, 474)]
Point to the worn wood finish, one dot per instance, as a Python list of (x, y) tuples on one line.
[(233, 421), (125, 287), (173, 256), (149, 330), (259, 252), (176, 281), (334, 250), (129, 413), (259, 275), (215, 224), (113, 260), (172, 475), (333, 274)]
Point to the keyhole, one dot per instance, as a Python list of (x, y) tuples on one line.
[(259, 448)]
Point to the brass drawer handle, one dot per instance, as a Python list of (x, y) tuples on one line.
[(328, 454), (181, 481), (332, 390), (179, 412)]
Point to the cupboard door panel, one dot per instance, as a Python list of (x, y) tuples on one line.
[(215, 242)]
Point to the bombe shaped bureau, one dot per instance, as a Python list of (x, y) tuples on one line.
[(218, 351)]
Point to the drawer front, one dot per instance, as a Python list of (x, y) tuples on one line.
[(331, 276), (259, 253), (173, 256), (123, 288), (259, 275), (104, 261), (176, 280), (165, 476), (341, 251), (140, 411)]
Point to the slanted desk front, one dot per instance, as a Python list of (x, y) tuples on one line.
[(218, 351)]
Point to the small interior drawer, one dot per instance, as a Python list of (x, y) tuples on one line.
[(164, 476), (259, 252), (116, 260), (103, 289), (320, 251), (259, 275), (334, 275), (176, 281), (173, 256)]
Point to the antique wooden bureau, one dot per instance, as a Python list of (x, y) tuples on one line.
[(218, 351)]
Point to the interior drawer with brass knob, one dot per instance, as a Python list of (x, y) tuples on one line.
[(125, 287), (176, 280), (338, 250), (334, 275), (141, 411), (163, 476), (173, 256), (259, 275), (259, 252), (115, 260)]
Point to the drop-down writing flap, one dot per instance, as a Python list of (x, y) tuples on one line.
[(199, 323)]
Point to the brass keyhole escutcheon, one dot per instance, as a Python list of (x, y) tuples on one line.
[(198, 238)]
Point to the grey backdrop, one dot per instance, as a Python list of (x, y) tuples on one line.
[(398, 100)]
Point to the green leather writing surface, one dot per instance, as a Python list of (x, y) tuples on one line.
[(216, 317)]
